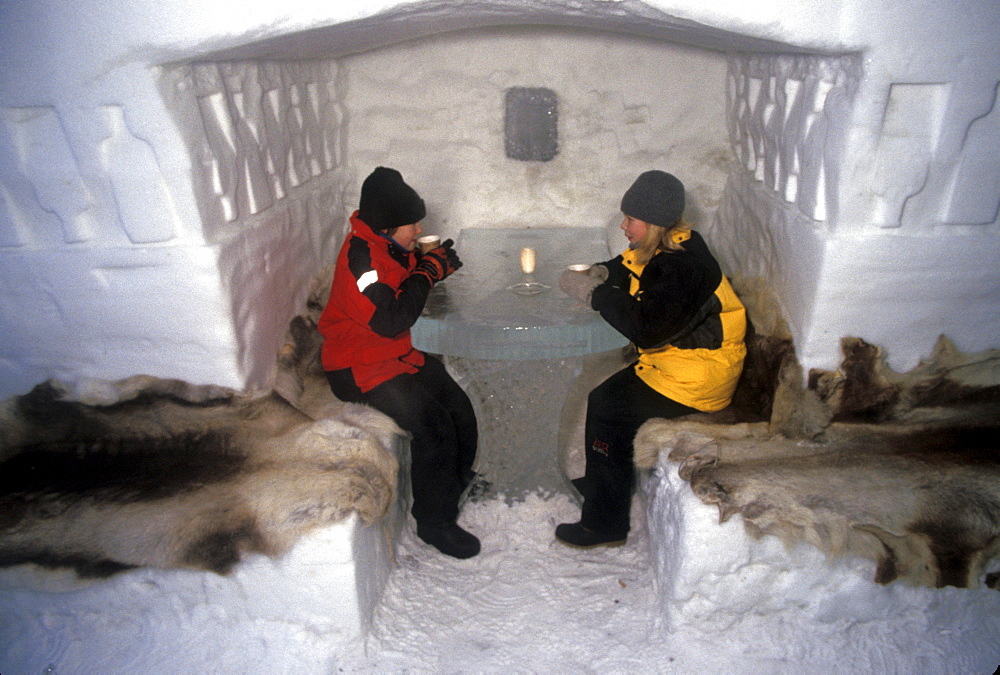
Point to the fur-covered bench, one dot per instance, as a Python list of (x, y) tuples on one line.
[(174, 477), (902, 471), (145, 482)]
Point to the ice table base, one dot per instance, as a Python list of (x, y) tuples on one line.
[(522, 357)]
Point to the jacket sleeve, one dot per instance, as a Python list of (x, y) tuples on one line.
[(672, 289), (395, 309), (618, 274)]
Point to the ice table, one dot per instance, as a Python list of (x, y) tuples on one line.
[(520, 357), (474, 313)]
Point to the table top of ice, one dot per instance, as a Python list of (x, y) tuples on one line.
[(491, 309)]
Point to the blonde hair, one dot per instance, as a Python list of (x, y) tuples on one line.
[(661, 239)]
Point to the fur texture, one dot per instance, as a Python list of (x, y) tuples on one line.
[(147, 472), (902, 469), (161, 481), (923, 503)]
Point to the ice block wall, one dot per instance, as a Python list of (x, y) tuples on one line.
[(625, 104), (868, 186), (265, 142), (788, 119), (170, 171), (117, 263)]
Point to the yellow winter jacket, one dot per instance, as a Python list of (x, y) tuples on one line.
[(685, 320)]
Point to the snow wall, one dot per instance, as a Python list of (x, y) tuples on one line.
[(173, 173)]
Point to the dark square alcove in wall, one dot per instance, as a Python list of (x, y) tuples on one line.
[(531, 124)]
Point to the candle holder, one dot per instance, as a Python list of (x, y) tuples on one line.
[(528, 285)]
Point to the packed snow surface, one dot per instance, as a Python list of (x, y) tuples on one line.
[(525, 604)]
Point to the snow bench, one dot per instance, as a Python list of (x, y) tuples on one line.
[(183, 511)]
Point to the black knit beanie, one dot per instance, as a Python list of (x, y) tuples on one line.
[(656, 197), (388, 202)]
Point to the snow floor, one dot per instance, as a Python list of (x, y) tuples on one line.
[(525, 604), (530, 604)]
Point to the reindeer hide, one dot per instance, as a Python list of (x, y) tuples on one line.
[(181, 476), (923, 503)]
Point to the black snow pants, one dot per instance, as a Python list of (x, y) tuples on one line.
[(616, 409), (433, 408)]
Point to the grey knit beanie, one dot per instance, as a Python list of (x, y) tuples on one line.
[(655, 197)]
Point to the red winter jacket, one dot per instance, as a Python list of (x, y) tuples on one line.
[(373, 302)]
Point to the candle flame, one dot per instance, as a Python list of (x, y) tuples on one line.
[(527, 260)]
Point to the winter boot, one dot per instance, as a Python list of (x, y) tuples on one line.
[(578, 536), (449, 538)]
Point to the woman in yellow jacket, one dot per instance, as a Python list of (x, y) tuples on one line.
[(667, 294)]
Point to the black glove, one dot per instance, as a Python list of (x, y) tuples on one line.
[(438, 263), (452, 256)]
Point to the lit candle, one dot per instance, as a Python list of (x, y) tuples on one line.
[(527, 260)]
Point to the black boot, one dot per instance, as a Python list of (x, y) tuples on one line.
[(575, 534), (449, 538)]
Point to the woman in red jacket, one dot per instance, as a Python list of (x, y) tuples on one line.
[(380, 285)]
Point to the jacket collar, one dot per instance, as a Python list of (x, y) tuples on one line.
[(362, 229)]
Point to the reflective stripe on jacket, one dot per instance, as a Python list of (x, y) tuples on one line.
[(373, 302)]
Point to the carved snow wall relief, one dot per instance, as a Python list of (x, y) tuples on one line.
[(787, 118), (974, 192), (256, 131), (933, 155), (64, 209)]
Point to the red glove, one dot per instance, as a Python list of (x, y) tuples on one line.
[(438, 263)]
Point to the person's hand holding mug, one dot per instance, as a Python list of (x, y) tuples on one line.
[(579, 281), (437, 263)]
